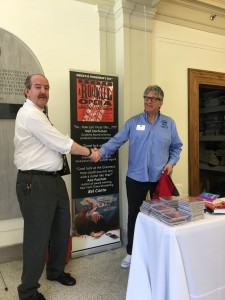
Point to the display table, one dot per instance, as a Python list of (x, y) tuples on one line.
[(185, 262)]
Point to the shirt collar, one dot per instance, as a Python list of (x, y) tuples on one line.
[(146, 117), (31, 103)]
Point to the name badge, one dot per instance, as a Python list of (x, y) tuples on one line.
[(140, 127)]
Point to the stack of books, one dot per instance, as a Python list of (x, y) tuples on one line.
[(215, 208), (213, 203), (193, 207)]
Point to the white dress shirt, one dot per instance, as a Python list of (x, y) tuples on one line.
[(38, 144)]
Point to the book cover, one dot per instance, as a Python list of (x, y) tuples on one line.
[(207, 196)]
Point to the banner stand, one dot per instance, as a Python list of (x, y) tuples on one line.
[(95, 186)]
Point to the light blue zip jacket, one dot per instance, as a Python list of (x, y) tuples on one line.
[(151, 146)]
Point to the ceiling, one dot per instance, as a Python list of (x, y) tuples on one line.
[(205, 15), (207, 4)]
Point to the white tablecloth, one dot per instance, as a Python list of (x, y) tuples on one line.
[(185, 262)]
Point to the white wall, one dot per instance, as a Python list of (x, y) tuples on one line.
[(174, 50), (63, 35)]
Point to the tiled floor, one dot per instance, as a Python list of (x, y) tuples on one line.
[(99, 276)]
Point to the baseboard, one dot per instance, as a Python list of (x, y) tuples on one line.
[(11, 253), (15, 252)]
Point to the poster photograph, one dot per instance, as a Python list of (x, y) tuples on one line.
[(95, 186)]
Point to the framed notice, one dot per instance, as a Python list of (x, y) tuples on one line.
[(95, 186)]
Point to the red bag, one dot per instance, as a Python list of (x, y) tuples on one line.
[(69, 249), (165, 187)]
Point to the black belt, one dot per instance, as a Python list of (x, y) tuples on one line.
[(36, 172)]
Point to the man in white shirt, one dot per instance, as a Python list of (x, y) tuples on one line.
[(41, 191)]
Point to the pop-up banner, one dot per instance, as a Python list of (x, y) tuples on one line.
[(95, 186)]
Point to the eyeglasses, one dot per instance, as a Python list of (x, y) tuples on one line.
[(153, 99)]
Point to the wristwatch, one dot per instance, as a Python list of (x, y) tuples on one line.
[(90, 152)]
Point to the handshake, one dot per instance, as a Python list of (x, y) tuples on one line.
[(95, 155)]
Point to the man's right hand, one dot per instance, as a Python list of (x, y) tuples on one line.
[(96, 155)]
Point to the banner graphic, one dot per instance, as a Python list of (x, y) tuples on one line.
[(95, 186)]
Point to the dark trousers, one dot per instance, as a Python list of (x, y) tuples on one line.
[(46, 212), (136, 194)]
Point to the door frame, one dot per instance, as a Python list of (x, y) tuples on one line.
[(196, 78)]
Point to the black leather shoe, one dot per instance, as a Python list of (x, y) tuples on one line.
[(37, 296), (65, 279)]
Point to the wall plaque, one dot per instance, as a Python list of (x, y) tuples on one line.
[(16, 62)]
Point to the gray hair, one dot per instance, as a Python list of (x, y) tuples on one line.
[(155, 89)]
